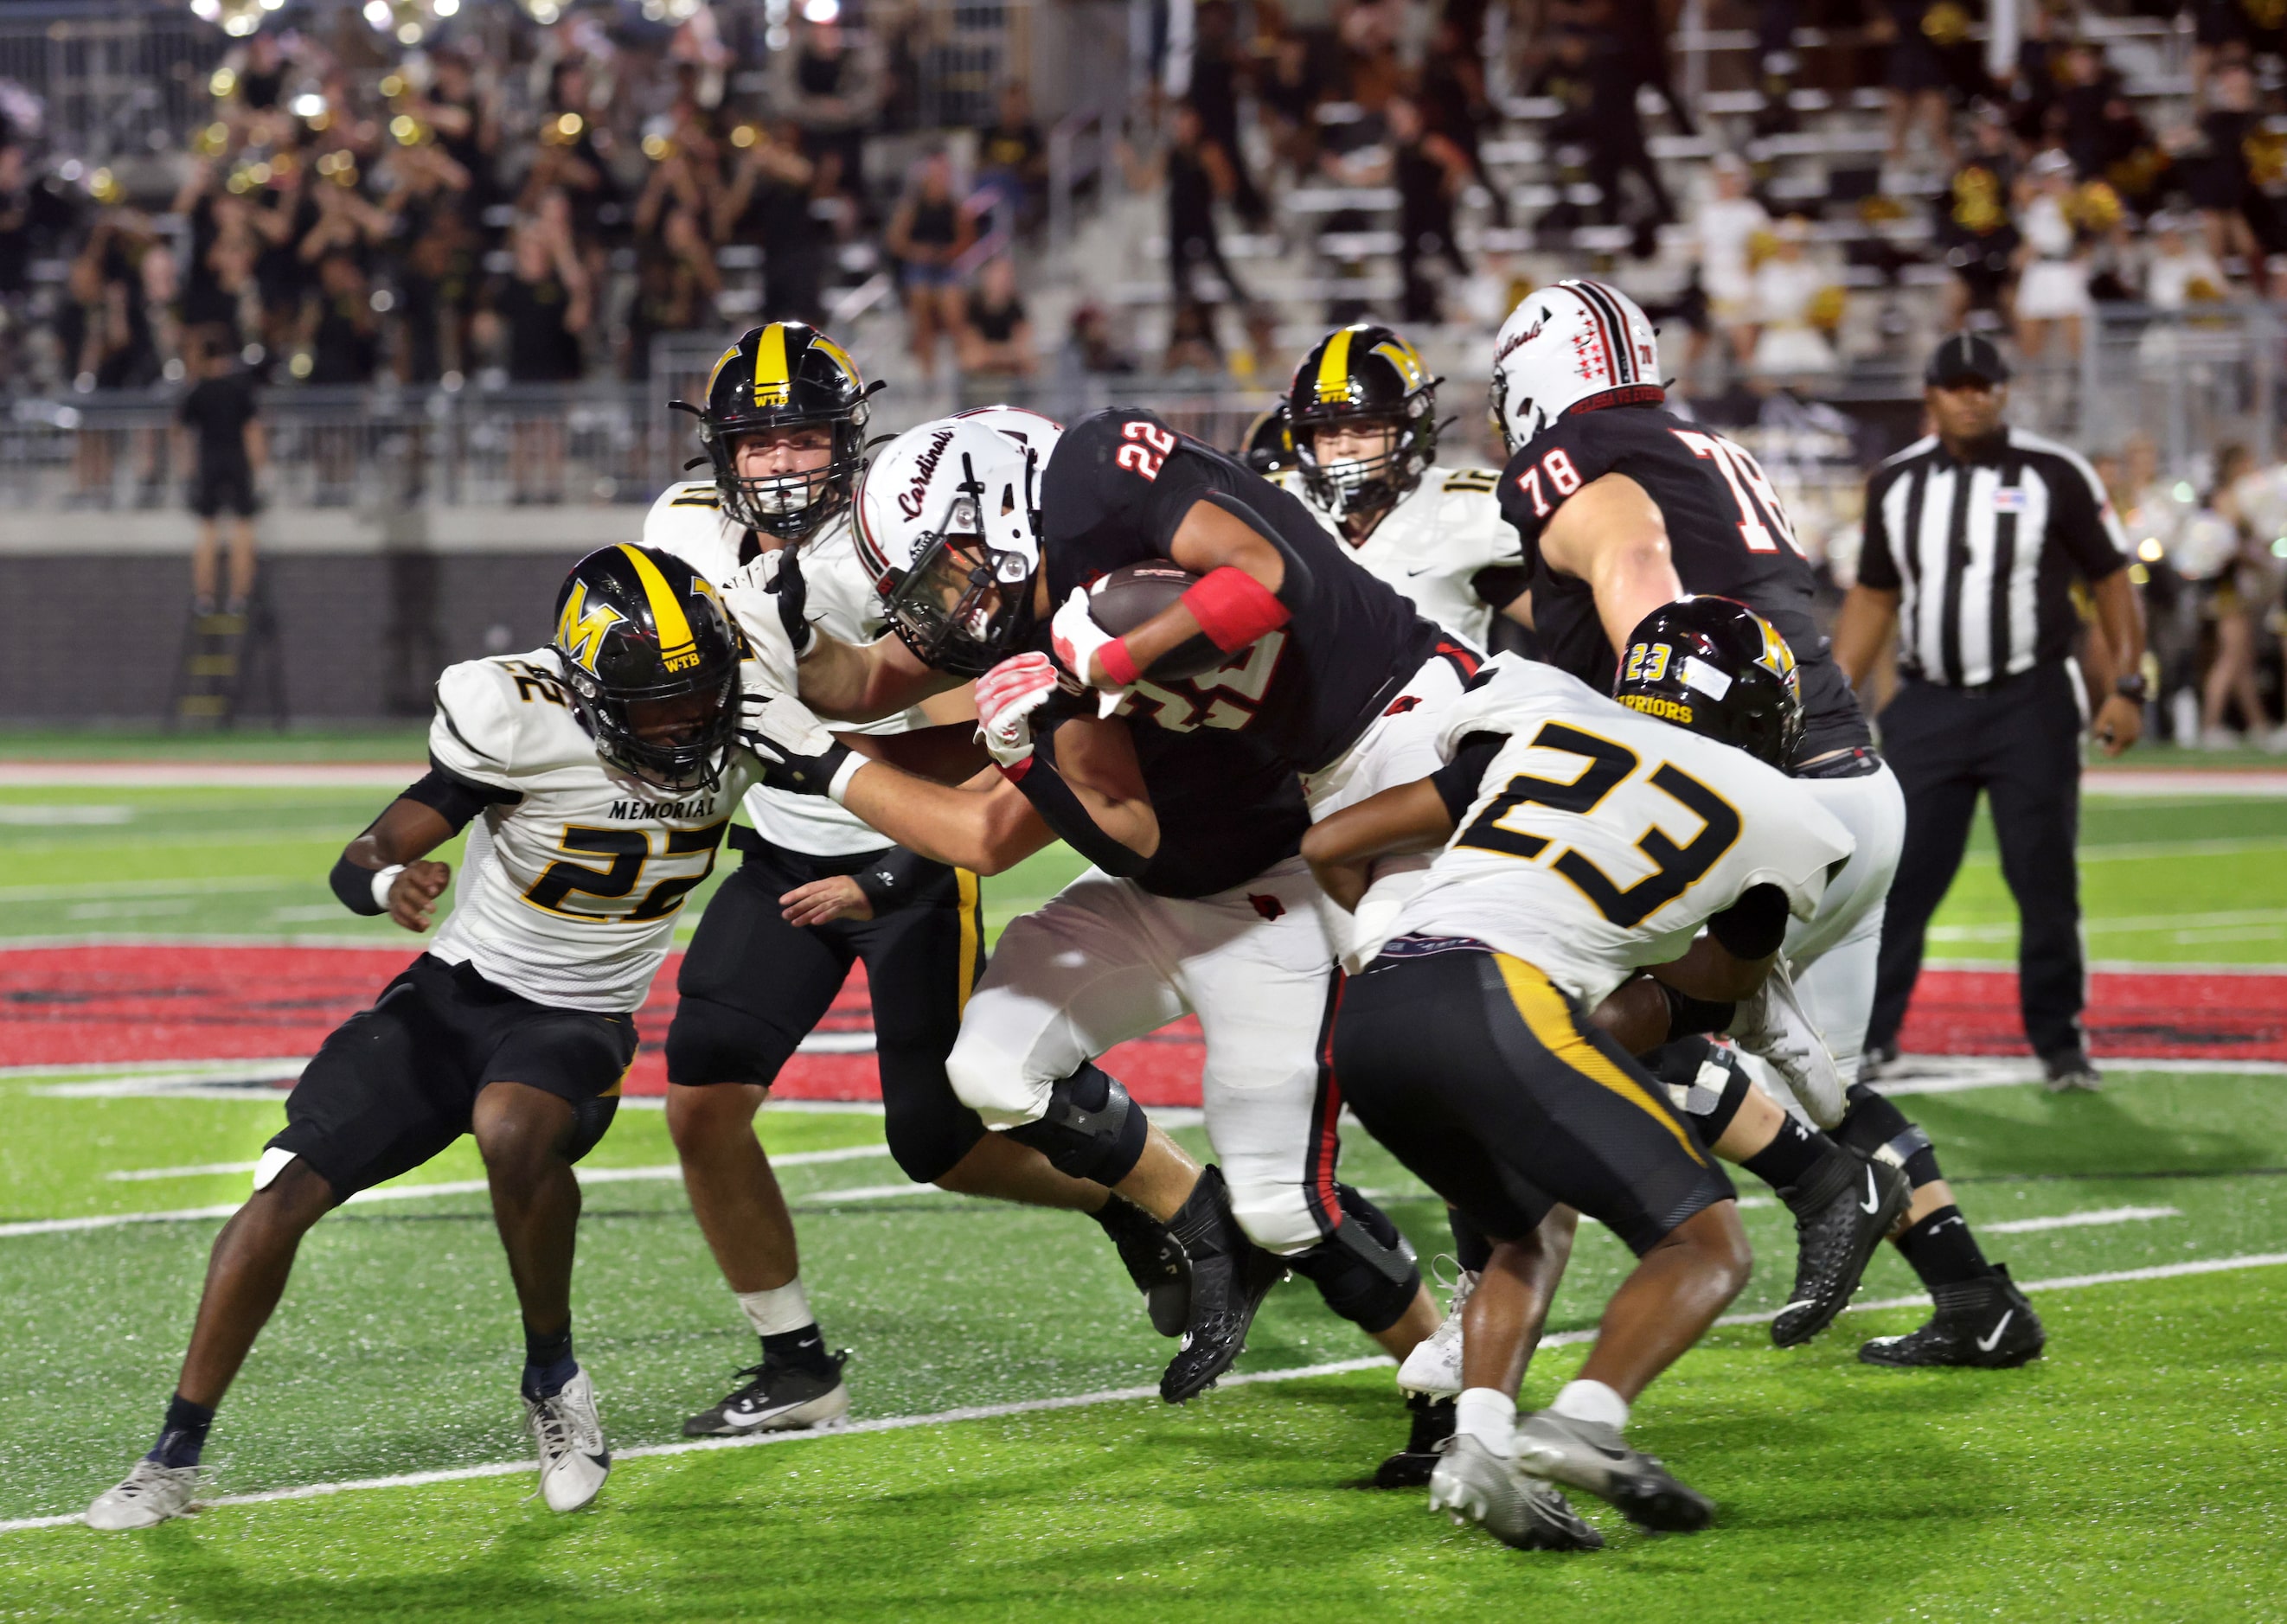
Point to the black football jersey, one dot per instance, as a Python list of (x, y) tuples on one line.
[(1115, 490), (1228, 808), (1726, 531)]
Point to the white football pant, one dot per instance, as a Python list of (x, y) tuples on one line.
[(1104, 961)]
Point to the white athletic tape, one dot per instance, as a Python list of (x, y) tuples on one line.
[(1116, 1395)]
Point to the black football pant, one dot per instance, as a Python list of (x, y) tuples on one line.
[(2018, 741), (752, 987)]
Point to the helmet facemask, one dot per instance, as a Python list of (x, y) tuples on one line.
[(797, 504), (1367, 485), (964, 603), (692, 756)]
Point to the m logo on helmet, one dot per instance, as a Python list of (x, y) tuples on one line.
[(581, 630)]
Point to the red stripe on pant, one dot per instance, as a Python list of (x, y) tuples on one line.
[(1325, 1148)]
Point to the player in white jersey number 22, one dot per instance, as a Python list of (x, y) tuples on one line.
[(595, 778)]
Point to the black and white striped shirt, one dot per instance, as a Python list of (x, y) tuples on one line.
[(1981, 553)]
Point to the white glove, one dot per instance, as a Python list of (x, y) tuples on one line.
[(1007, 696), (749, 599), (1077, 637), (796, 750)]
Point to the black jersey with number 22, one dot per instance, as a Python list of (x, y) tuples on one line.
[(1116, 491), (1726, 531)]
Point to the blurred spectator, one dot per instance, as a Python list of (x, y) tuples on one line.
[(2179, 272), (768, 202), (1979, 239), (831, 87), (1217, 66), (1452, 102), (2232, 566), (1794, 303), (1192, 341), (226, 454), (1089, 346), (2052, 289), (539, 310), (2216, 179), (1727, 224), (1595, 80), (1428, 172), (462, 114), (928, 233), (1288, 87), (1642, 35), (1012, 157), (1916, 76), (340, 334), (997, 334), (1192, 172)]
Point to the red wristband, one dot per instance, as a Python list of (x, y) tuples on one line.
[(1118, 663), (1016, 774), (1234, 609)]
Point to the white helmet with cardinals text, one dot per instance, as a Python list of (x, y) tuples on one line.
[(947, 522), (1573, 346)]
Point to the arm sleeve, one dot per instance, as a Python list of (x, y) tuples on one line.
[(1061, 811), (1457, 782), (2081, 520), (455, 799), (1878, 567), (1754, 925)]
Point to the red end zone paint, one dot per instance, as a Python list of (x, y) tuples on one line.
[(85, 1005)]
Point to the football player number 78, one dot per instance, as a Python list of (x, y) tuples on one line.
[(1762, 518)]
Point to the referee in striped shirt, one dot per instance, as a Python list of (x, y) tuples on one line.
[(1974, 536)]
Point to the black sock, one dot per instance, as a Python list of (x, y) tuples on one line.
[(803, 1350), (1942, 1251), (184, 1435), (1789, 1158), (548, 1361)]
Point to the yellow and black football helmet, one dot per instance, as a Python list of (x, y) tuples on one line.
[(787, 374), (1269, 449), (1363, 376), (653, 664), (1714, 665)]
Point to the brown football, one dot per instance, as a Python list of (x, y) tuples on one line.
[(1131, 594)]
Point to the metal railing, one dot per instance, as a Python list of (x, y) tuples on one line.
[(111, 85)]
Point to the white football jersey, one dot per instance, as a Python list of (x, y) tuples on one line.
[(569, 894), (687, 521), (1432, 544), (1602, 838)]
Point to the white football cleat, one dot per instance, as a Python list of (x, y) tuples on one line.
[(1434, 1366), (145, 1497), (1773, 1027), (1473, 1484), (574, 1461)]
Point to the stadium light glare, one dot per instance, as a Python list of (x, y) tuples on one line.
[(378, 14), (206, 10), (309, 105), (448, 8)]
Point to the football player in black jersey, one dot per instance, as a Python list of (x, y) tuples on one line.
[(1623, 506), (1213, 756)]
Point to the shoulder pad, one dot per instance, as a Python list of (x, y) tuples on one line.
[(692, 529), (1505, 697), (505, 718)]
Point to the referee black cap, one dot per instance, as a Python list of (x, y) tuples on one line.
[(1965, 358)]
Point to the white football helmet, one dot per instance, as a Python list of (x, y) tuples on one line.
[(948, 523), (1035, 431), (1573, 343)]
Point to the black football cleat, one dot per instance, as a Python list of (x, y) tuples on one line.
[(1985, 1324), (1841, 1211), (1230, 1277), (775, 1397), (1155, 1262), (1413, 1466)]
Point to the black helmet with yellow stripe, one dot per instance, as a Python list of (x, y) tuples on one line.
[(652, 666), (1363, 377), (786, 374), (1269, 449)]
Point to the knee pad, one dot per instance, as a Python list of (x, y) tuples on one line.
[(929, 1130), (1707, 1084), (1365, 1269), (1879, 1132), (713, 1042), (591, 1119), (1091, 1129)]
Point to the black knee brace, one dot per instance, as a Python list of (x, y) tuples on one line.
[(927, 1127), (1365, 1269), (1682, 1068), (1879, 1132), (591, 1119), (1091, 1129)]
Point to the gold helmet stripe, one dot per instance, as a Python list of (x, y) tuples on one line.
[(677, 646), (841, 356), (772, 384), (716, 372), (1404, 358), (1334, 366)]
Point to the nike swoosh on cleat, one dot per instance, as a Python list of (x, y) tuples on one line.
[(1986, 1344), (1873, 1202), (1799, 1302)]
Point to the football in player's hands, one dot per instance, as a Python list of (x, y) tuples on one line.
[(1131, 594)]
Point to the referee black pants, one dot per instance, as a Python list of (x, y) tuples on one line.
[(2019, 741)]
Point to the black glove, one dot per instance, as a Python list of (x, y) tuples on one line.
[(794, 601)]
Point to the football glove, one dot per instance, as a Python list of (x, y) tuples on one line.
[(783, 580), (756, 597), (1007, 696), (1078, 639), (795, 751)]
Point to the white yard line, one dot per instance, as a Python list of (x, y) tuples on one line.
[(587, 1175), (1115, 1395), (208, 774), (2124, 925), (2146, 783), (2081, 1220), (203, 1170)]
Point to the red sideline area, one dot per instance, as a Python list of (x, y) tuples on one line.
[(86, 1005)]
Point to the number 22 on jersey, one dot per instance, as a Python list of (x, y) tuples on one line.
[(1675, 869)]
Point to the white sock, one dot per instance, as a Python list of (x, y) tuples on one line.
[(1592, 1401), (780, 1309), (1489, 1416)]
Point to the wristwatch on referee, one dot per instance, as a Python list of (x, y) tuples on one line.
[(2134, 687)]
